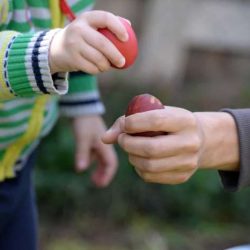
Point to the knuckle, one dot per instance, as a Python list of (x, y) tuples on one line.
[(107, 16), (183, 178), (158, 120), (150, 150), (149, 166), (192, 144), (103, 65), (192, 165), (74, 28), (146, 177)]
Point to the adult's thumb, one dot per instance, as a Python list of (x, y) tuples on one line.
[(111, 135)]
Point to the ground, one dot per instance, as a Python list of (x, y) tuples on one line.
[(140, 234)]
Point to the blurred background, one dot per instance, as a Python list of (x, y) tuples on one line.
[(193, 54)]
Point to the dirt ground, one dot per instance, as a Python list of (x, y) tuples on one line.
[(96, 234)]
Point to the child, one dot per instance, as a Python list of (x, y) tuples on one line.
[(35, 56), (201, 140)]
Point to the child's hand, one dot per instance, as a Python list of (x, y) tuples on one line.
[(89, 147), (80, 47), (166, 159)]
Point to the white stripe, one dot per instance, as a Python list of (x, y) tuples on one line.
[(98, 108), (16, 117), (40, 13), (8, 105), (72, 2), (48, 124), (81, 96), (13, 131), (28, 63), (25, 156), (20, 16)]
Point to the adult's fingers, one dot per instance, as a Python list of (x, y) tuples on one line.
[(170, 119), (111, 135), (169, 164), (159, 146), (171, 178)]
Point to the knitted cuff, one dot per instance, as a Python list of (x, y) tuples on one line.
[(83, 97), (233, 181), (88, 103), (27, 68)]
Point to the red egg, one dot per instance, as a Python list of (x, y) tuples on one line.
[(128, 49), (143, 103)]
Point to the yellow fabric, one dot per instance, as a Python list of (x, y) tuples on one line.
[(5, 38), (33, 130), (4, 11), (56, 14), (36, 120)]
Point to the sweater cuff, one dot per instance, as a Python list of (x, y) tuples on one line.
[(27, 66), (83, 97), (233, 181)]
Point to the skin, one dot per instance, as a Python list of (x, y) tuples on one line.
[(90, 148), (80, 47), (205, 140)]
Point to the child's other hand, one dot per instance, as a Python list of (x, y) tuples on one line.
[(89, 147), (166, 159), (80, 47)]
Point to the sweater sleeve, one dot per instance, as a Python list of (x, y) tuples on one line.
[(233, 181), (25, 67), (83, 97)]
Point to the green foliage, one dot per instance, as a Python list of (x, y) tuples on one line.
[(62, 193)]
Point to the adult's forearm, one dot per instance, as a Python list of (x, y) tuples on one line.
[(220, 141)]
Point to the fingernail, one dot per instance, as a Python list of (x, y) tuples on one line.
[(121, 63), (125, 37), (82, 164)]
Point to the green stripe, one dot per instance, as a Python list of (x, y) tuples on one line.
[(54, 116), (15, 110), (42, 23), (10, 138), (14, 124), (17, 26), (19, 4), (82, 83), (38, 3), (81, 5), (2, 152), (16, 65)]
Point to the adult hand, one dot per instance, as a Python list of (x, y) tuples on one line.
[(193, 140)]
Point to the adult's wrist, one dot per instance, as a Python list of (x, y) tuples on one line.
[(220, 148)]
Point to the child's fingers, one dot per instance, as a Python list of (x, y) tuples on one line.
[(95, 57), (103, 19), (87, 67), (102, 44)]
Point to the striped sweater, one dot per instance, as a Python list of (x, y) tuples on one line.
[(29, 94)]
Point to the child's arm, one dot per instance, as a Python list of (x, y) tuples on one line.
[(27, 67)]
